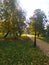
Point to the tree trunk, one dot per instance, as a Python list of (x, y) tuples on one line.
[(6, 34)]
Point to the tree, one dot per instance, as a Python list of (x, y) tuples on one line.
[(13, 18), (38, 22), (20, 22), (1, 6)]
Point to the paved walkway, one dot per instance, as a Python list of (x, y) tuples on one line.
[(44, 46)]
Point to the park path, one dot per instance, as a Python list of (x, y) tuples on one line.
[(44, 46)]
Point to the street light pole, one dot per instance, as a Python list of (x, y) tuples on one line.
[(35, 38), (35, 17)]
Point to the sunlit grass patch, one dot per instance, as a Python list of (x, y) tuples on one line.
[(24, 35)]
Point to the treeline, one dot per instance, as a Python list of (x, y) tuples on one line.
[(37, 23), (12, 18)]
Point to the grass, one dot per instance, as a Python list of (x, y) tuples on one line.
[(24, 35), (21, 52), (45, 38)]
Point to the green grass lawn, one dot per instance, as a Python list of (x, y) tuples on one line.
[(45, 38), (21, 52)]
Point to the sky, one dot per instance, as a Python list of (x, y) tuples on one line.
[(30, 5)]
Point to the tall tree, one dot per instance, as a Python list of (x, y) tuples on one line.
[(13, 18), (38, 20)]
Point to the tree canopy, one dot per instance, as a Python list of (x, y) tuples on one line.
[(12, 17), (38, 20)]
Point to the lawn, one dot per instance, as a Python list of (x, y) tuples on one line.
[(21, 52)]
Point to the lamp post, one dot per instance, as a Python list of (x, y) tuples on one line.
[(35, 18)]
